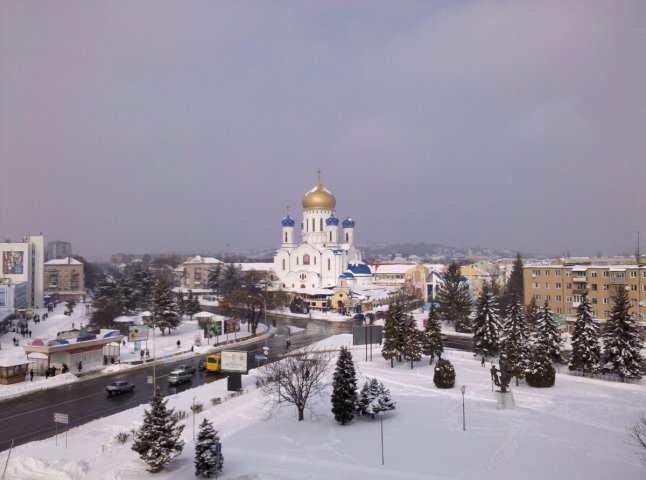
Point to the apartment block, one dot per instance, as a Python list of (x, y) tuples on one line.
[(564, 285), (64, 279)]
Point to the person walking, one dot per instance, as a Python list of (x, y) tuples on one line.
[(80, 366), (31, 375), (482, 363), (147, 354), (288, 342), (141, 354), (179, 344)]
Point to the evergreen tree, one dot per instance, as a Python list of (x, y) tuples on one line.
[(208, 455), (344, 388), (230, 279), (213, 280), (432, 335), (140, 286), (391, 347), (532, 314), (108, 303), (164, 308), (158, 440), (514, 347), (192, 304), (515, 284), (486, 325), (412, 344), (181, 304), (547, 336), (453, 297), (374, 398), (622, 343), (586, 353)]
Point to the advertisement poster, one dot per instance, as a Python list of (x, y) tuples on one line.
[(137, 333), (12, 263)]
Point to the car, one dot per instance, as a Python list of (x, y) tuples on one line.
[(118, 387), (187, 368), (202, 365), (359, 316), (177, 377)]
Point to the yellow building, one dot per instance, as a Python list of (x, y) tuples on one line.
[(64, 279), (563, 286)]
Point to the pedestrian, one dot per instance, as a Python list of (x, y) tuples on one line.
[(53, 371), (141, 354), (179, 344), (147, 354), (288, 342), (124, 343), (31, 375), (105, 359), (65, 368), (80, 366), (112, 360), (29, 333), (482, 363), (47, 373)]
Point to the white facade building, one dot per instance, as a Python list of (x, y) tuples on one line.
[(23, 262), (322, 251)]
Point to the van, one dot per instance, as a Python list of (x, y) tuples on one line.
[(179, 376), (213, 363)]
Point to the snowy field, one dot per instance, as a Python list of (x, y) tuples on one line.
[(576, 430)]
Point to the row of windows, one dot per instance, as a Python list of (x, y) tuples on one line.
[(306, 261), (606, 273)]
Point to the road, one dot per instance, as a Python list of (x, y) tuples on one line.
[(31, 417)]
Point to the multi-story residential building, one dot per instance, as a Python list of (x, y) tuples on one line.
[(64, 279), (563, 285), (23, 262), (58, 249), (196, 271)]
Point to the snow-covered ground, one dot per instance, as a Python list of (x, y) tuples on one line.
[(575, 430)]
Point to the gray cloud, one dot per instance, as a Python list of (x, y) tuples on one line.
[(189, 126)]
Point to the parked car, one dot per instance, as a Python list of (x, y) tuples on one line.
[(202, 365), (187, 368), (177, 377), (359, 316), (119, 386)]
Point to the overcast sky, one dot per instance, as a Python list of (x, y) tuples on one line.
[(190, 126)]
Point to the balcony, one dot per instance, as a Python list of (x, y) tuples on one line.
[(579, 291), (580, 279), (617, 281)]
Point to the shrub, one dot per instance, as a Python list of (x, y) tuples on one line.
[(540, 373), (181, 415), (216, 401), (197, 407), (122, 437), (444, 376)]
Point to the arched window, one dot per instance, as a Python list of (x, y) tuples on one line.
[(306, 259), (314, 260), (296, 260), (330, 236), (285, 237), (347, 237), (329, 264), (313, 225), (321, 224), (283, 264)]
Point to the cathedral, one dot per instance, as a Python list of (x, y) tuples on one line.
[(322, 253)]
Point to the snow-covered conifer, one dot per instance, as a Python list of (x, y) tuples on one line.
[(586, 353), (164, 308), (158, 440), (374, 398), (208, 454), (391, 347), (412, 342), (547, 336), (622, 343), (432, 335), (344, 388), (486, 325), (514, 347)]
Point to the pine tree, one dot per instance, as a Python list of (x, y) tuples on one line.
[(230, 279), (454, 299), (514, 347), (208, 456), (412, 345), (158, 440), (586, 353), (181, 304), (164, 308), (391, 347), (486, 325), (344, 388), (374, 398), (213, 280), (622, 343), (432, 335), (515, 285), (192, 304), (108, 303), (532, 314), (547, 336)]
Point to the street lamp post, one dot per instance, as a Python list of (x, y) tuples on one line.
[(464, 425)]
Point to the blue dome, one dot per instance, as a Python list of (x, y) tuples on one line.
[(359, 268), (331, 220), (288, 221), (348, 223)]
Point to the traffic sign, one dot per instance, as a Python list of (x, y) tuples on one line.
[(61, 418), (261, 357)]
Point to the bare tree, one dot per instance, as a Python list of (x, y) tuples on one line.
[(638, 437), (296, 380)]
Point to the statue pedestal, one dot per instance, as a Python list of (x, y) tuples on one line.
[(505, 400)]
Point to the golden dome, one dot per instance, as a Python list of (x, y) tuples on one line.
[(319, 198)]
